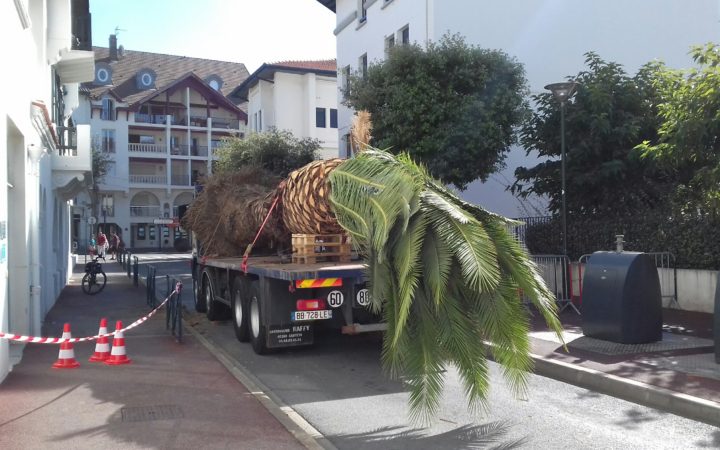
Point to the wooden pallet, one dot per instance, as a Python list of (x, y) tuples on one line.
[(313, 248)]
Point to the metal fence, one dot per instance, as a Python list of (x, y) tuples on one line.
[(555, 270)]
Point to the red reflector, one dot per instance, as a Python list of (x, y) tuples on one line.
[(310, 305)]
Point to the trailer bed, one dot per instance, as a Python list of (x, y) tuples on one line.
[(274, 267)]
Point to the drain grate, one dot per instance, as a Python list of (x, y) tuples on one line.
[(148, 413)]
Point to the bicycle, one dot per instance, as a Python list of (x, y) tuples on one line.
[(94, 279)]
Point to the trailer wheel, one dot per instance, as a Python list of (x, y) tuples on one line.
[(241, 322), (212, 307), (198, 297), (258, 331)]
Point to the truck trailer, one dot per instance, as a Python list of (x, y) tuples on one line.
[(275, 304)]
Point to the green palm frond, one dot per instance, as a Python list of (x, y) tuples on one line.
[(446, 276)]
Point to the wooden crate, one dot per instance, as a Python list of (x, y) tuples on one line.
[(313, 248)]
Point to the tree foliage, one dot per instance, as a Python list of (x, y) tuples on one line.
[(101, 164), (454, 107), (278, 152), (445, 274), (688, 141), (609, 115)]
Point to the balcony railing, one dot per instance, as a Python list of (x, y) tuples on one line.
[(158, 119), (180, 180), (144, 211), (148, 179), (145, 148), (225, 123), (68, 141), (180, 150)]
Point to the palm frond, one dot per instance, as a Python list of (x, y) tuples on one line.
[(445, 274)]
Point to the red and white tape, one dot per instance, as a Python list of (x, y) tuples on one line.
[(49, 340)]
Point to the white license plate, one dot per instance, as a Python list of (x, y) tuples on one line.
[(296, 316)]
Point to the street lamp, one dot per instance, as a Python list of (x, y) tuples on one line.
[(562, 92)]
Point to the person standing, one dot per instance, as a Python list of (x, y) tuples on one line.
[(114, 244), (102, 245)]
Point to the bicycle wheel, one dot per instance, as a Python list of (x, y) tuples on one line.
[(93, 283)]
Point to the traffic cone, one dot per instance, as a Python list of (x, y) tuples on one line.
[(102, 346), (117, 354), (66, 356)]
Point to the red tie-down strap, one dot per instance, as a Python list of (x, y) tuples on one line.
[(246, 255)]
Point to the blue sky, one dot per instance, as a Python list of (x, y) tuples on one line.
[(247, 31)]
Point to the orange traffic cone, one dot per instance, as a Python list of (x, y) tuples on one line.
[(117, 354), (66, 356), (102, 346)]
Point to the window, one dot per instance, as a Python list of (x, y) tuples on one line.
[(260, 128), (389, 43), (333, 118), (141, 232), (141, 139), (347, 139), (363, 65), (108, 109), (151, 233), (320, 117), (405, 35), (108, 141), (107, 205)]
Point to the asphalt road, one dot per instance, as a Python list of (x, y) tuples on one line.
[(338, 387)]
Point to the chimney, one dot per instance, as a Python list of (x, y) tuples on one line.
[(113, 48)]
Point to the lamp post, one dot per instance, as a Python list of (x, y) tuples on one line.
[(562, 92)]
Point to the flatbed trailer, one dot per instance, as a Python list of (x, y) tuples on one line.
[(275, 304)]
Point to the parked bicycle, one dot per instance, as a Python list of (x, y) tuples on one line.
[(94, 279)]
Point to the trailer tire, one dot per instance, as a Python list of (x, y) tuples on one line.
[(198, 297), (241, 321), (258, 331), (212, 307)]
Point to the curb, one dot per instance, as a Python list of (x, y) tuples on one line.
[(664, 399), (302, 430)]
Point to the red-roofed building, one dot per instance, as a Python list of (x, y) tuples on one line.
[(160, 118), (298, 96)]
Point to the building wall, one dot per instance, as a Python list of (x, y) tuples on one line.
[(289, 104), (548, 37), (34, 217)]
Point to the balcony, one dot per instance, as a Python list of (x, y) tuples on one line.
[(148, 179), (146, 148), (180, 180), (145, 211), (72, 163)]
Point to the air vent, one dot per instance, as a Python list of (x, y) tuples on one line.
[(214, 82)]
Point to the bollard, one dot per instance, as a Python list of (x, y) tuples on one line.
[(135, 271), (150, 286)]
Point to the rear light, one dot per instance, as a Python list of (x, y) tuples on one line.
[(310, 305)]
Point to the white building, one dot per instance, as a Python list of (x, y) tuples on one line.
[(549, 37), (160, 118), (44, 160), (297, 96)]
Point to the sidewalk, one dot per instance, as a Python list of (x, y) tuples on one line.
[(171, 395), (677, 375)]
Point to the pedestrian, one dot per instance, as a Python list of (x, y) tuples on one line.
[(102, 245), (114, 244), (93, 245)]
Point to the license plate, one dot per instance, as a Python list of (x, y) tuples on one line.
[(297, 316)]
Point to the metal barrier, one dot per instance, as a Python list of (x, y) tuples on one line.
[(150, 285), (173, 319), (136, 264), (555, 270), (667, 272)]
